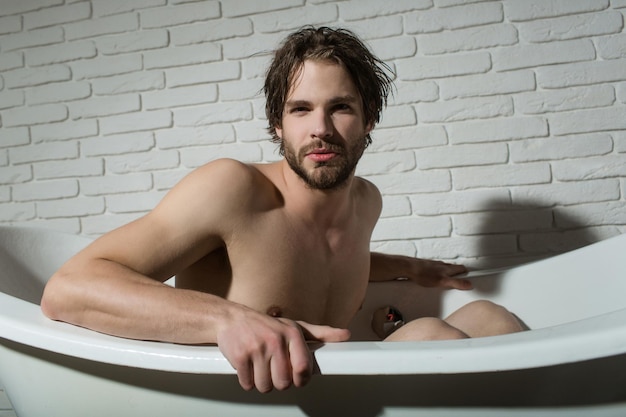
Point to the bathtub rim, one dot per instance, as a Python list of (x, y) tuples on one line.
[(599, 336), (591, 338)]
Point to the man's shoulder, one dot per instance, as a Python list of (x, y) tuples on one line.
[(231, 181), (224, 166), (226, 173), (366, 188), (217, 195), (369, 193)]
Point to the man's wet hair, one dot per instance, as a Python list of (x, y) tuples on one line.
[(371, 76)]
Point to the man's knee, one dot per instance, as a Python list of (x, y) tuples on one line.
[(426, 328), (493, 318), (485, 308)]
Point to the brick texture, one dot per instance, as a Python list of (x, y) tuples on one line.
[(504, 141)]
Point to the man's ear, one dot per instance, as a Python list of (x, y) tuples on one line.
[(369, 127), (279, 131)]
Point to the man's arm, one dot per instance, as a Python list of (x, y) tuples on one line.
[(384, 267), (115, 285), (424, 272), (107, 297)]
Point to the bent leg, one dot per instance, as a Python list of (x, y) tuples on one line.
[(476, 319), (427, 328), (484, 318)]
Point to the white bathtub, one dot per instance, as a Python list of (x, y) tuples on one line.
[(573, 362)]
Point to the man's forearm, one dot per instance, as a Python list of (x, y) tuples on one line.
[(112, 299), (424, 272), (384, 267)]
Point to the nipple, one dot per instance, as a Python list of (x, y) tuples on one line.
[(274, 311)]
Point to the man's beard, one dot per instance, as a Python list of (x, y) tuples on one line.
[(329, 175)]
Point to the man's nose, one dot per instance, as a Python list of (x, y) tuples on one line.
[(322, 125)]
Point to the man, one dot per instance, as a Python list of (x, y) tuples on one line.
[(267, 256)]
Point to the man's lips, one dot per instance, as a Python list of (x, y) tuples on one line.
[(321, 155)]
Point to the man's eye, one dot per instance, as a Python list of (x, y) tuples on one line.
[(298, 109)]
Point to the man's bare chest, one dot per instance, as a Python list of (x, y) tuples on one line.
[(305, 276), (291, 272)]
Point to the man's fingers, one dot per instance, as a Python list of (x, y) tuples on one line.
[(245, 376), (280, 370), (458, 283), (276, 357), (324, 333), (301, 362), (457, 269), (262, 375), (278, 361)]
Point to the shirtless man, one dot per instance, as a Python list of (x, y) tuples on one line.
[(267, 256)]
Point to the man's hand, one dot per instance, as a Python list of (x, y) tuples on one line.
[(439, 274), (384, 267), (272, 352)]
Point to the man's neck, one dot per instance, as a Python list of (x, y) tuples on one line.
[(325, 208)]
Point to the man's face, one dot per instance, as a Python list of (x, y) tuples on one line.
[(323, 129)]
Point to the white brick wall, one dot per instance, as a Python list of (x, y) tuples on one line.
[(505, 140)]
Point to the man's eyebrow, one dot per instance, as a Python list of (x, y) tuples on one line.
[(349, 98), (297, 103)]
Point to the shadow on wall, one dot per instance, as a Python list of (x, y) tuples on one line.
[(527, 232), (532, 231)]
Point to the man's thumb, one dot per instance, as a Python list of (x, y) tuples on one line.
[(324, 333)]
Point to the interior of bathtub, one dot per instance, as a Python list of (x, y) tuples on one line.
[(574, 297)]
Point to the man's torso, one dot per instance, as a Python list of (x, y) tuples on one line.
[(278, 264)]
